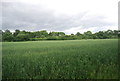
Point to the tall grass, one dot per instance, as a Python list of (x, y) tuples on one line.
[(75, 59)]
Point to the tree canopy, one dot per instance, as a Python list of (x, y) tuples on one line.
[(18, 35)]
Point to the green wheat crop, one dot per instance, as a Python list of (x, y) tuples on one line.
[(69, 59)]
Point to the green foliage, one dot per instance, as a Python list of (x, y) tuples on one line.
[(37, 39), (7, 36), (53, 38), (70, 59), (16, 33), (56, 33), (44, 35), (88, 35), (1, 35), (23, 37)]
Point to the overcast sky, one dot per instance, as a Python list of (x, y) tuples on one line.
[(69, 16)]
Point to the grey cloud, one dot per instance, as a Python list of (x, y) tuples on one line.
[(97, 21), (36, 17)]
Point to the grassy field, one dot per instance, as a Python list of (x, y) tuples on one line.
[(69, 59)]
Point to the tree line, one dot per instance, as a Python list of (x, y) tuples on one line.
[(18, 35)]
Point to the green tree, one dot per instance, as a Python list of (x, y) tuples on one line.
[(54, 34), (22, 37), (61, 33), (7, 36), (1, 32), (88, 35), (78, 33), (108, 33), (101, 35), (41, 34), (16, 33)]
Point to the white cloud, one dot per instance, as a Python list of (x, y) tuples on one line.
[(74, 30), (61, 15)]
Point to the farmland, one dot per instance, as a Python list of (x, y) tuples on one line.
[(68, 59)]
